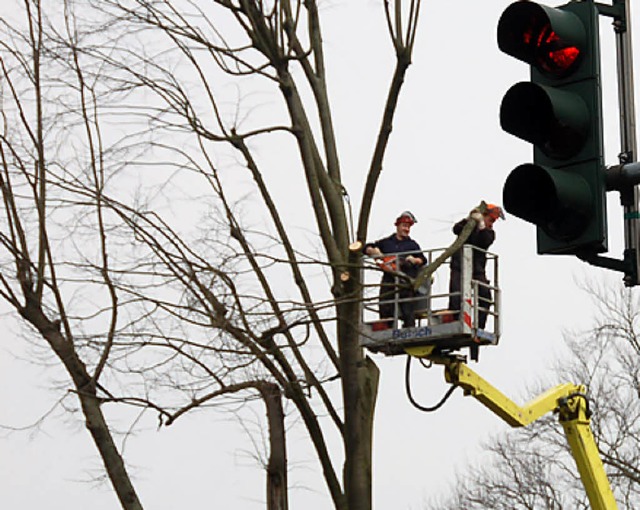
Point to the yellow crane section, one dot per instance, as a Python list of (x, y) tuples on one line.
[(568, 400)]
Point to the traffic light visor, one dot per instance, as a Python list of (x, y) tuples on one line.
[(549, 39), (557, 202)]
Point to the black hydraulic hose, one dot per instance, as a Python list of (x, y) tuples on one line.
[(587, 402), (411, 399)]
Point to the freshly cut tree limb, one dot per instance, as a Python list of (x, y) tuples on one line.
[(427, 271)]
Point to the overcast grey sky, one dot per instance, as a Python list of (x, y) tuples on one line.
[(447, 153)]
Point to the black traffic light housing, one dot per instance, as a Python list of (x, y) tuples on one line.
[(559, 111)]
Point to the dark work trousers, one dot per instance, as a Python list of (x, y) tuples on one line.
[(484, 301), (389, 292)]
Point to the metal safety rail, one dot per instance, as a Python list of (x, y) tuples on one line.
[(435, 324)]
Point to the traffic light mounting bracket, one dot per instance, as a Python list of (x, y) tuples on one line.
[(622, 178), (616, 11), (627, 265)]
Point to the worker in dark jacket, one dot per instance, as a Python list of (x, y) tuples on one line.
[(482, 237), (408, 263)]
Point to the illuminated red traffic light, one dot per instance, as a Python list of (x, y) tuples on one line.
[(550, 40), (551, 53)]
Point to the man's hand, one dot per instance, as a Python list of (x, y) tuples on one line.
[(416, 261)]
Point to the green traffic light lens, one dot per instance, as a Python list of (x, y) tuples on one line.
[(557, 202)]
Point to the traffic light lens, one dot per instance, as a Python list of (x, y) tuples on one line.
[(545, 46), (547, 39), (557, 202), (558, 61), (555, 121)]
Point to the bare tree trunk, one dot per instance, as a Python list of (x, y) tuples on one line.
[(90, 402), (360, 378), (111, 458), (277, 465)]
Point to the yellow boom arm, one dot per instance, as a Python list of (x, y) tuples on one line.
[(568, 400)]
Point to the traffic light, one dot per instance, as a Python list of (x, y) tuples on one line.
[(559, 111)]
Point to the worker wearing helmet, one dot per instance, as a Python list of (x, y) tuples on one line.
[(410, 260), (482, 237)]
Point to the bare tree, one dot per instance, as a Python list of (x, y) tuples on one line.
[(531, 468), (37, 267), (149, 305)]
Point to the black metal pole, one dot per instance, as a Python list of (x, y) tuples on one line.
[(629, 196)]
